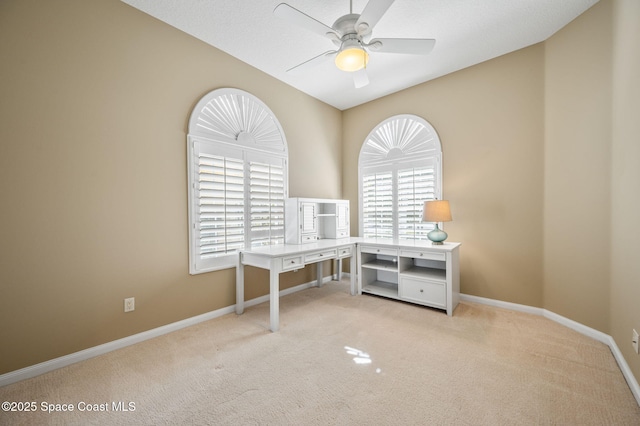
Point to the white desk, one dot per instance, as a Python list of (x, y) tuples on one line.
[(287, 257)]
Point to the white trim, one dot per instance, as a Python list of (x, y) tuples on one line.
[(624, 367), (576, 326), (56, 363), (501, 304), (573, 325)]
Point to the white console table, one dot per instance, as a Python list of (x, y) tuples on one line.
[(412, 271), (287, 257)]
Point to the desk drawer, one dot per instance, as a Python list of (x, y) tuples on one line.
[(320, 255), (424, 254), (345, 252), (308, 238), (292, 262), (425, 292), (379, 250)]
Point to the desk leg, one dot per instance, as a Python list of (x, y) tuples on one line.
[(356, 272), (319, 274), (239, 286), (352, 275), (274, 299)]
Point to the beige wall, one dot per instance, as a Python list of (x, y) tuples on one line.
[(592, 172), (95, 101), (625, 179), (577, 168), (490, 121)]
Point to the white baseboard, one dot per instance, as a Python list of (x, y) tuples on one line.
[(624, 367), (501, 304), (54, 364), (576, 326)]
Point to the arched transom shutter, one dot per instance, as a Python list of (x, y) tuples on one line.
[(238, 118)]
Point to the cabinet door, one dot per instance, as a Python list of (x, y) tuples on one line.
[(308, 218), (342, 216)]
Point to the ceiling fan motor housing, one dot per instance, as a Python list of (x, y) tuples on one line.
[(346, 25)]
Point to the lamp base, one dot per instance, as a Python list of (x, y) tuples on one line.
[(437, 236)]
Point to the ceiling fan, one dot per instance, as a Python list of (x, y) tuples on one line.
[(351, 34)]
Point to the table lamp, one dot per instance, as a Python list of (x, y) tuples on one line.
[(436, 211)]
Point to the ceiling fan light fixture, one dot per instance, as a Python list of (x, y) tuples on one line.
[(352, 57)]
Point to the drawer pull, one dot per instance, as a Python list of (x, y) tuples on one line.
[(421, 254), (293, 261), (421, 291)]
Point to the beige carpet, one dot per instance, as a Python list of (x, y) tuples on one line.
[(483, 366)]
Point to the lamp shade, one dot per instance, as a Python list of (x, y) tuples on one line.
[(436, 211)]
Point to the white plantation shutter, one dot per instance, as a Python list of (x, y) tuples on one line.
[(377, 205), (267, 196), (238, 180), (399, 169), (415, 186), (220, 192)]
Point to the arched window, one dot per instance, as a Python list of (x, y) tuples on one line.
[(237, 165), (399, 168)]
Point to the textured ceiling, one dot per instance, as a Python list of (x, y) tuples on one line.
[(467, 32)]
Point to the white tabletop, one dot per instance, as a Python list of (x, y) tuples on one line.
[(286, 249), (406, 244)]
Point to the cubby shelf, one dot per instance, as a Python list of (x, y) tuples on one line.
[(387, 265), (422, 272), (382, 288)]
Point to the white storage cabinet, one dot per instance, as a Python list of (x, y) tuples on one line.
[(411, 271)]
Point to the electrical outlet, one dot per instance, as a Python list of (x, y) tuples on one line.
[(129, 304), (634, 341)]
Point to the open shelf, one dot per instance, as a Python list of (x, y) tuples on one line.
[(428, 273), (382, 264), (382, 288)]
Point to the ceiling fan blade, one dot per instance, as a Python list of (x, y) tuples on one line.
[(305, 21), (412, 46), (313, 62), (373, 11), (360, 78)]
